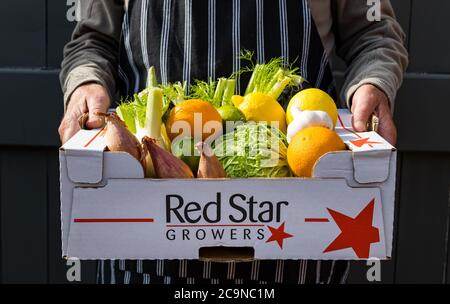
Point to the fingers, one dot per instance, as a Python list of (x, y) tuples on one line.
[(367, 100), (97, 102), (386, 127), (69, 125), (68, 129), (89, 98), (363, 106)]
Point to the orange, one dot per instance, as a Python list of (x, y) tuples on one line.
[(308, 145), (182, 117)]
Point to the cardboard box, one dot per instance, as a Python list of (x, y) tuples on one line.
[(109, 211)]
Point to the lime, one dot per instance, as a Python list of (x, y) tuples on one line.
[(185, 150), (230, 113)]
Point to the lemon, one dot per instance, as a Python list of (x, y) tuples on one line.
[(237, 100), (262, 108), (312, 100)]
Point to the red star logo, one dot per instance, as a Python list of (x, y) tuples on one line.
[(278, 235), (363, 141), (357, 233)]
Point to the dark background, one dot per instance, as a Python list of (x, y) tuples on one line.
[(32, 35)]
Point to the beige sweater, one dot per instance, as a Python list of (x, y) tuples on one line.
[(373, 50)]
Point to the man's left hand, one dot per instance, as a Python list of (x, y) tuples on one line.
[(368, 100)]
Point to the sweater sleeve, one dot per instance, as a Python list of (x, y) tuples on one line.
[(373, 50), (92, 54)]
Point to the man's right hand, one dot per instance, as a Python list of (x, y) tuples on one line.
[(88, 98)]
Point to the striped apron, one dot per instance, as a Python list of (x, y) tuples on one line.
[(187, 40)]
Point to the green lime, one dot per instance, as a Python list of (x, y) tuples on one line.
[(232, 114), (185, 150)]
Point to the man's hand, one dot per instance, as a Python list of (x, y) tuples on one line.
[(369, 100), (88, 98)]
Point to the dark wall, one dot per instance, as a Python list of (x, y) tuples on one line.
[(33, 33)]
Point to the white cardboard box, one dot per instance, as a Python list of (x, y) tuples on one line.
[(109, 211)]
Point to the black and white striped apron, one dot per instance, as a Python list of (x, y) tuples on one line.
[(187, 40)]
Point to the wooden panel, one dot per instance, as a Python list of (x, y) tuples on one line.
[(429, 46), (402, 9), (32, 106), (421, 113), (447, 278), (423, 218), (59, 31), (22, 32), (23, 204)]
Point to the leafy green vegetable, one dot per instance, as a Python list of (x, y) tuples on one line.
[(144, 112), (174, 93), (139, 112), (253, 150), (270, 78), (126, 112), (203, 90), (229, 91), (217, 93)]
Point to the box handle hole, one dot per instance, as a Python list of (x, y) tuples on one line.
[(226, 254)]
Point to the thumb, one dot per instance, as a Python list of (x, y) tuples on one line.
[(99, 103), (362, 110)]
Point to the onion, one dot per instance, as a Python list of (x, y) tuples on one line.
[(209, 165), (118, 138), (165, 164)]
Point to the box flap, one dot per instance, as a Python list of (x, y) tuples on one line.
[(371, 152), (84, 156), (371, 166)]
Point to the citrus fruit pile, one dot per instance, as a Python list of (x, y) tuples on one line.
[(311, 117), (265, 140)]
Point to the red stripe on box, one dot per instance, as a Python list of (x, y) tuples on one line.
[(316, 220), (113, 220), (93, 138), (343, 127)]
